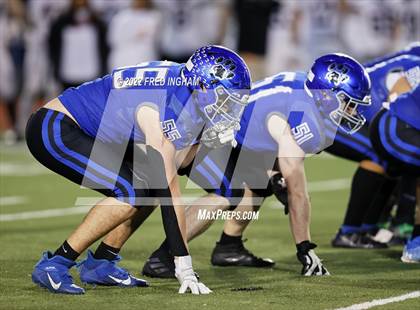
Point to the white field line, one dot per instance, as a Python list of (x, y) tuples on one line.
[(12, 200), (22, 170), (85, 203), (318, 186), (380, 302), (43, 214)]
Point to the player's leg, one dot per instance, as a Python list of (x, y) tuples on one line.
[(160, 264), (59, 144), (230, 250), (366, 186), (402, 223), (399, 144)]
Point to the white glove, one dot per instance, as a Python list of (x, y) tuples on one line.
[(227, 136), (187, 278)]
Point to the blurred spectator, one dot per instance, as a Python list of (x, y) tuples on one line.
[(408, 21), (107, 9), (283, 49), (370, 28), (132, 35), (12, 53), (253, 19), (77, 45), (38, 83), (320, 24), (189, 24)]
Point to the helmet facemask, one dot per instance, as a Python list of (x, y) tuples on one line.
[(347, 116), (222, 110), (341, 108)]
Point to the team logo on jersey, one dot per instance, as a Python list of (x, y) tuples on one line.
[(302, 133), (223, 69), (169, 130), (337, 73)]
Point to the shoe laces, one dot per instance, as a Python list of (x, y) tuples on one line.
[(117, 270)]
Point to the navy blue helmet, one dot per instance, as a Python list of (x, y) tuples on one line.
[(341, 88)]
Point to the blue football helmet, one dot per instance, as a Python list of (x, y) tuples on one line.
[(340, 87), (221, 89)]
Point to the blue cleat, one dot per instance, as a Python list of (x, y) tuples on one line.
[(411, 252), (106, 272), (52, 272)]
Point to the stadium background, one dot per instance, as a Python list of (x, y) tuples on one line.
[(47, 45)]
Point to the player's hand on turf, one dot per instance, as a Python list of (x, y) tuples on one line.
[(188, 278), (312, 265)]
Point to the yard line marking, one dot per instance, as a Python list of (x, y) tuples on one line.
[(43, 214), (380, 302), (85, 203), (22, 170), (328, 185), (12, 200)]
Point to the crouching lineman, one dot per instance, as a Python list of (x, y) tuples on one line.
[(290, 115), (371, 186), (395, 135), (161, 110)]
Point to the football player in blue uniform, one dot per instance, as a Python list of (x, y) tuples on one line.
[(395, 135), (371, 186), (290, 115), (124, 135)]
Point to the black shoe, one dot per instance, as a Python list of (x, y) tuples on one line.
[(235, 254), (366, 242), (356, 241), (342, 240), (159, 265)]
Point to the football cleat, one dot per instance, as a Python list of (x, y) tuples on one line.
[(402, 234), (237, 255), (342, 240), (52, 272), (356, 241), (411, 252), (159, 265), (106, 272)]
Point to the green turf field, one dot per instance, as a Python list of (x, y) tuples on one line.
[(357, 275)]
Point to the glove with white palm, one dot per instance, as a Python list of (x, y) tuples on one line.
[(188, 278), (312, 265)]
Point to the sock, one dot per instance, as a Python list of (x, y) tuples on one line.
[(373, 213), (364, 186), (368, 228), (226, 239), (406, 202), (66, 251), (345, 229), (416, 231), (105, 251)]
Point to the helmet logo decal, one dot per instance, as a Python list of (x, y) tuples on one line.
[(223, 69), (337, 74)]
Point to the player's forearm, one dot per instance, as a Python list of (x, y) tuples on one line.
[(300, 216), (299, 206)]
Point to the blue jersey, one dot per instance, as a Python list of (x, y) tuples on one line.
[(407, 108), (284, 95), (378, 72), (106, 108)]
